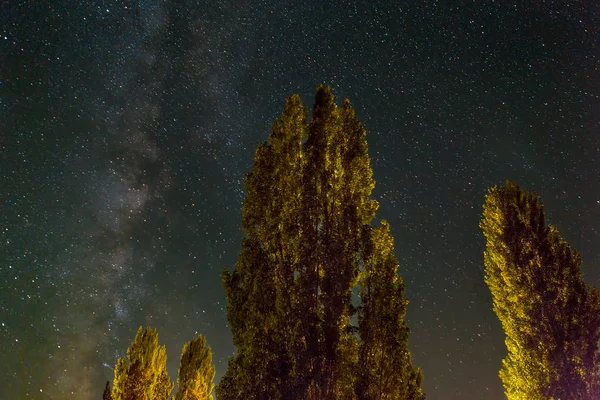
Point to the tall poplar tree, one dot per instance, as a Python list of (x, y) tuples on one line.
[(196, 371), (261, 291), (551, 318), (143, 374), (306, 218)]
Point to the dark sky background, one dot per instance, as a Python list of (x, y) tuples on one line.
[(126, 129)]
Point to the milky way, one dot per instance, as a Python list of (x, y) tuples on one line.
[(126, 129)]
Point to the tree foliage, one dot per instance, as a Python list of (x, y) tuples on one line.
[(550, 317), (308, 241), (196, 371), (143, 374), (106, 394), (385, 364)]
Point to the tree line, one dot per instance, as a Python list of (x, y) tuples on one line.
[(316, 304)]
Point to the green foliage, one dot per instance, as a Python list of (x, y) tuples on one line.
[(196, 371), (306, 218), (261, 291), (550, 317), (143, 374), (385, 363)]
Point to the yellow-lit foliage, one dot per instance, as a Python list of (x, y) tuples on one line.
[(196, 371), (385, 367), (306, 220), (550, 317), (143, 374)]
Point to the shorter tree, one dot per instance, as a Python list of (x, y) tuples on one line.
[(385, 364), (143, 374), (196, 371), (106, 395), (551, 318)]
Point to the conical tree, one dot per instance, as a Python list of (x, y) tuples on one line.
[(305, 214), (550, 317), (383, 357), (106, 394), (143, 374), (337, 183), (196, 371)]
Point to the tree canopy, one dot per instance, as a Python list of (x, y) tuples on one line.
[(308, 244), (196, 371), (550, 316), (143, 374)]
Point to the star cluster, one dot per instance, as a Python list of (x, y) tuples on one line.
[(126, 129)]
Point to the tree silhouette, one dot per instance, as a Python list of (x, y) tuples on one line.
[(106, 394)]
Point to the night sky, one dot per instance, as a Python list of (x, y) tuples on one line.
[(126, 129)]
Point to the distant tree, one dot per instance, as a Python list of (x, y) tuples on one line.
[(306, 219), (196, 371), (143, 374), (550, 317), (106, 395)]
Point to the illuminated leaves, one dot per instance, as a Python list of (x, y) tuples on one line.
[(196, 371), (550, 317), (143, 374), (386, 370), (306, 218)]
